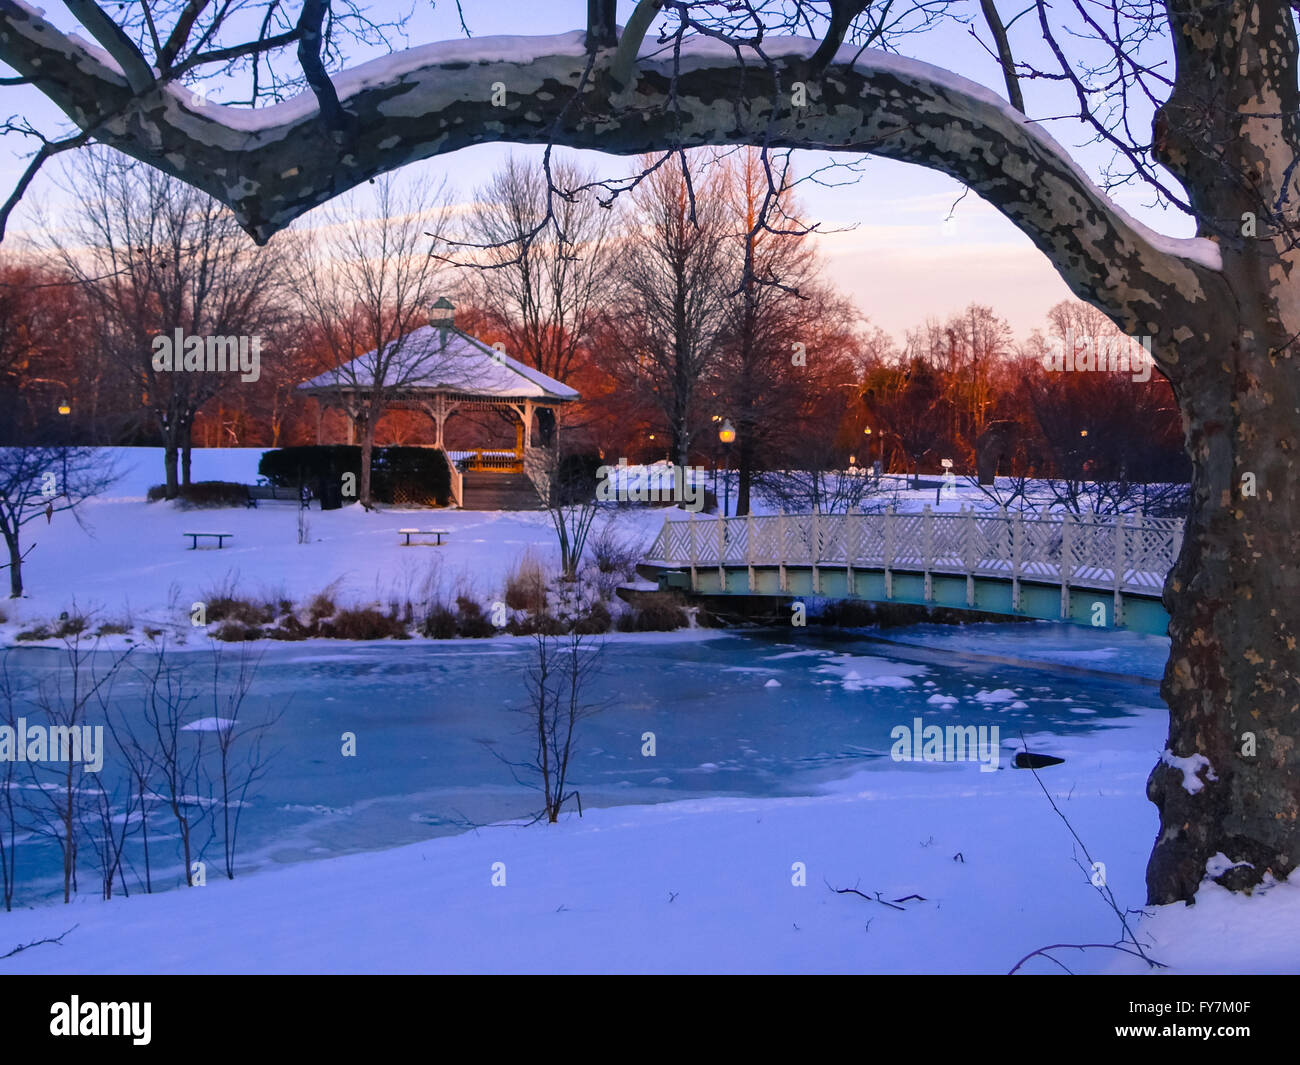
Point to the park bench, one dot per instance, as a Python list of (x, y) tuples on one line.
[(194, 538), (439, 533), (273, 493)]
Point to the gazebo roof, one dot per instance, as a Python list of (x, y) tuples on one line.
[(464, 367)]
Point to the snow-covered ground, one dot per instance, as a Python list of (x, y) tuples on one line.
[(131, 562), (128, 561), (964, 870)]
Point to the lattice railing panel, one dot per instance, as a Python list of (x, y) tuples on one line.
[(1099, 551)]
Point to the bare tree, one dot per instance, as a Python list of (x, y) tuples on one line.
[(661, 337), (157, 258), (556, 681), (9, 808), (817, 486), (366, 283), (56, 802), (540, 286), (240, 759), (570, 498), (41, 482), (176, 752)]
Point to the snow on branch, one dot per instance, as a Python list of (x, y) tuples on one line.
[(273, 164)]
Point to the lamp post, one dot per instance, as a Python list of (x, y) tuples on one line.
[(727, 434), (880, 465)]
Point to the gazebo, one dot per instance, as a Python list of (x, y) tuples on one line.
[(438, 369)]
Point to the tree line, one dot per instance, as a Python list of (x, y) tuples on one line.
[(674, 309)]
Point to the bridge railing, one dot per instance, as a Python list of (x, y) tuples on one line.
[(1127, 552)]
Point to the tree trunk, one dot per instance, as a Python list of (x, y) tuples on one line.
[(744, 471), (170, 455), (367, 451), (1233, 677), (15, 565)]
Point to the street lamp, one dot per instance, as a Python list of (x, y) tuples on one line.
[(65, 408), (726, 434), (881, 463)]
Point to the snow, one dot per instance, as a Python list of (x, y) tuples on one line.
[(464, 364), (858, 672), (142, 571), (1225, 932), (208, 724), (392, 69), (1190, 767)]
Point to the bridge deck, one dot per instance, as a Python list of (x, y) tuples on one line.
[(1105, 571)]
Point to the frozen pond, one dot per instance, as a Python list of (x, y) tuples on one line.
[(758, 713)]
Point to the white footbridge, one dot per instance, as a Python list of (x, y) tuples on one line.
[(1097, 570)]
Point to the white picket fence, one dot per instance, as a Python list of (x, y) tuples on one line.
[(1126, 553)]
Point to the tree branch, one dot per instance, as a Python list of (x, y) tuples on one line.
[(843, 12), (271, 165), (623, 67), (602, 30), (180, 33), (139, 75), (994, 20)]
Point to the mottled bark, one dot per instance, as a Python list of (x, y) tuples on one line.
[(1233, 679)]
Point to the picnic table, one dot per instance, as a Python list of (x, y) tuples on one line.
[(194, 538), (439, 533)]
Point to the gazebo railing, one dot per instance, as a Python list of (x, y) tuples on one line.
[(482, 460)]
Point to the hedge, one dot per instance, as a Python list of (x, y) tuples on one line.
[(397, 474)]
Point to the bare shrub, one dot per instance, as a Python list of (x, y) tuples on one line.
[(363, 623), (439, 623), (526, 585), (654, 615)]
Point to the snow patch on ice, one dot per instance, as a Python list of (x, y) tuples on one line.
[(998, 695), (208, 724)]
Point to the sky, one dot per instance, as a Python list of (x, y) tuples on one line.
[(887, 238)]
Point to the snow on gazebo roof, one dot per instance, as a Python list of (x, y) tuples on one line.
[(465, 366)]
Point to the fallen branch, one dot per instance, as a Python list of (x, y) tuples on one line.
[(57, 940), (869, 898), (1103, 889), (1042, 951)]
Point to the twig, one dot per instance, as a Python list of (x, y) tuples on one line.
[(58, 940), (1042, 951), (869, 898)]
